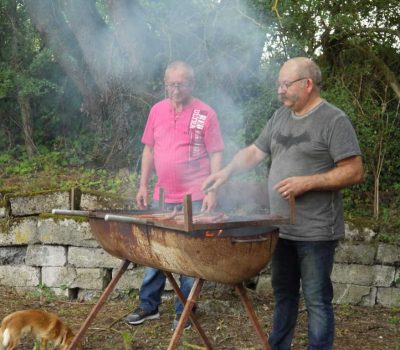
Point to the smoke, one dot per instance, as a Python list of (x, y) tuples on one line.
[(221, 40), (224, 43), (116, 53)]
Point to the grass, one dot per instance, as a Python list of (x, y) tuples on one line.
[(43, 293)]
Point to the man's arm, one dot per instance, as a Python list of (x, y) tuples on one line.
[(348, 171), (210, 199), (215, 162), (146, 170), (245, 159)]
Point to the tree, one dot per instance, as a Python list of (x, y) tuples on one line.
[(357, 45), (17, 70)]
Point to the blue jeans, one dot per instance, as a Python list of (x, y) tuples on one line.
[(311, 264), (154, 280)]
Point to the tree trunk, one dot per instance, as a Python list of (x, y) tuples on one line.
[(96, 42), (57, 35), (132, 34), (26, 123), (376, 197)]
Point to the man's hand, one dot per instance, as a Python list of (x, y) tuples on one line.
[(141, 197), (296, 185), (348, 171), (209, 202), (215, 180)]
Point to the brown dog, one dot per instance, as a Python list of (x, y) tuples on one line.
[(44, 325)]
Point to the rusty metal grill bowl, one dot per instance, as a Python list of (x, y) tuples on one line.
[(239, 248), (233, 256)]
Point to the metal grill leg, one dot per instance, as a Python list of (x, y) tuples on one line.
[(98, 305), (187, 312), (252, 315)]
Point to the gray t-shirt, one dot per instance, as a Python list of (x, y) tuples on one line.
[(307, 145)]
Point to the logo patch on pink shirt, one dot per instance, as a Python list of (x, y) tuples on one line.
[(196, 130)]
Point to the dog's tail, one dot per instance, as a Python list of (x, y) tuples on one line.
[(4, 338)]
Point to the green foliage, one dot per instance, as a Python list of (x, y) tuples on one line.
[(48, 161), (5, 158), (128, 338), (397, 282), (53, 170), (6, 80), (34, 87), (27, 69), (394, 318), (345, 309), (44, 293), (36, 345), (354, 43)]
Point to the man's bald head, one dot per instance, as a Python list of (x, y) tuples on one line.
[(182, 67), (305, 67)]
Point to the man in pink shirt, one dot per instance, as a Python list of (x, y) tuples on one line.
[(183, 144)]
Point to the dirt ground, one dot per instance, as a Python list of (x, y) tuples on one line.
[(219, 312)]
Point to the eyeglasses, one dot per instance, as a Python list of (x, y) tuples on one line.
[(179, 86), (287, 84)]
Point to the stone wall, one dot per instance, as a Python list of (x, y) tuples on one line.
[(39, 250)]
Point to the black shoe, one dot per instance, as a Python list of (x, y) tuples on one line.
[(187, 326), (138, 316)]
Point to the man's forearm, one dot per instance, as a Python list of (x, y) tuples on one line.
[(245, 159), (147, 166), (347, 172), (215, 162)]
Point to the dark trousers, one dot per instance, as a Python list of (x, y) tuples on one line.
[(309, 264)]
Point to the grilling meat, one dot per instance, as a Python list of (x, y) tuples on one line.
[(211, 218), (206, 218), (178, 217)]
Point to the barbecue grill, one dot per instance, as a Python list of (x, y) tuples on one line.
[(229, 252)]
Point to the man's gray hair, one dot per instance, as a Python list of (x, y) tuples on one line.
[(308, 68), (180, 64), (315, 74)]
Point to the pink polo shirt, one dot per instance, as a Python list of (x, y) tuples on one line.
[(182, 143)]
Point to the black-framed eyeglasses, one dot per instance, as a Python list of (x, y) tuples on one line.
[(287, 84), (179, 86)]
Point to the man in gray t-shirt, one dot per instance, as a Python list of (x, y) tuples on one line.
[(305, 145), (314, 153)]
